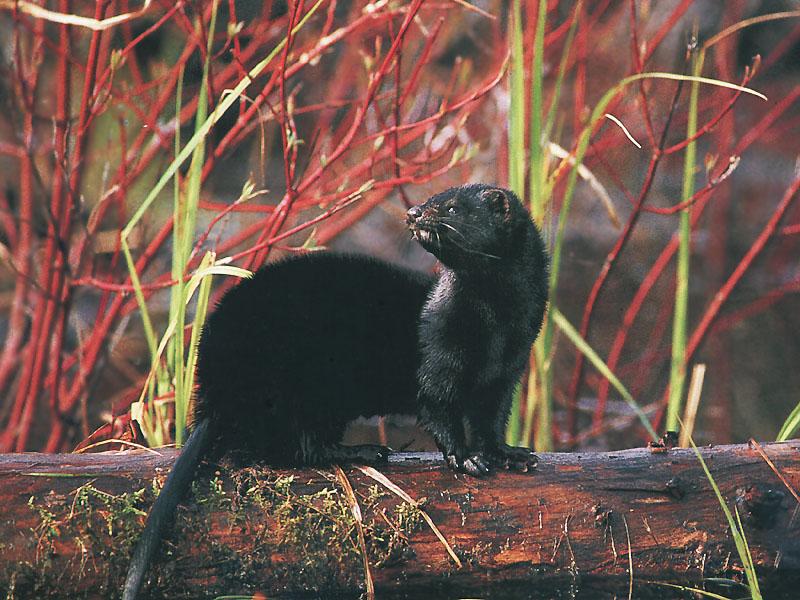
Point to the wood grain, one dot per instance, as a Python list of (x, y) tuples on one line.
[(70, 521)]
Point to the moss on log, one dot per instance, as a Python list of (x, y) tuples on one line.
[(568, 527)]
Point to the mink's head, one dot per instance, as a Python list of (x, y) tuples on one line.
[(470, 226)]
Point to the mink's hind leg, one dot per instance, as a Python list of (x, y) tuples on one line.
[(362, 454), (316, 451)]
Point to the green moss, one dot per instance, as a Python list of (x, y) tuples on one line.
[(252, 530), (319, 533), (85, 535)]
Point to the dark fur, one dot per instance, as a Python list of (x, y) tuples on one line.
[(477, 328), (292, 355)]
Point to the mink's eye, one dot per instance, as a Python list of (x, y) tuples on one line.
[(452, 209)]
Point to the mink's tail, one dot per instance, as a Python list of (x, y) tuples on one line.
[(163, 510)]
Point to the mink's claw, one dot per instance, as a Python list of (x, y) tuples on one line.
[(476, 464), (515, 458)]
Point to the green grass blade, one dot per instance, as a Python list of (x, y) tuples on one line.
[(677, 378), (544, 398), (515, 430), (147, 324), (538, 176), (532, 399), (201, 310), (228, 98), (582, 345), (791, 425), (697, 78), (163, 378), (137, 410), (737, 531), (183, 232), (583, 145), (218, 268), (750, 568), (693, 590), (183, 236), (562, 69), (174, 354), (516, 112), (580, 152), (516, 160), (539, 398)]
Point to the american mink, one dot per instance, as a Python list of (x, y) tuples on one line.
[(292, 355)]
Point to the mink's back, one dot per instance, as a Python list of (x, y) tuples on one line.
[(313, 340)]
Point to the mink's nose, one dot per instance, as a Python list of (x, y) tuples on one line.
[(414, 213)]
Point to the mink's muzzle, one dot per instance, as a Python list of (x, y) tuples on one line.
[(414, 213), (420, 217), (415, 220), (420, 224)]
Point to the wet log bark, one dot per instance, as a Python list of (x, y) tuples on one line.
[(575, 523)]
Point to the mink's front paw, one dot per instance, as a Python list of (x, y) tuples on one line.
[(475, 464), (513, 457)]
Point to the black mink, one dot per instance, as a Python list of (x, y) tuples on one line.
[(477, 327), (292, 355)]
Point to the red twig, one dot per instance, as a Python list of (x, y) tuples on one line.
[(638, 68), (419, 109), (658, 267), (719, 299), (613, 255)]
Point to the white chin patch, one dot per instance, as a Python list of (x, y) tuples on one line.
[(424, 236)]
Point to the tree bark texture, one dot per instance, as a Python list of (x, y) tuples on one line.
[(572, 526)]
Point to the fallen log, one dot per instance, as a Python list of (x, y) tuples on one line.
[(579, 521)]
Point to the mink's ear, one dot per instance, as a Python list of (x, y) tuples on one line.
[(498, 201)]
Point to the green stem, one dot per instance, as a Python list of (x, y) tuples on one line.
[(677, 376)]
